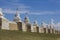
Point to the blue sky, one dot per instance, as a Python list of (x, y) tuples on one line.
[(41, 10)]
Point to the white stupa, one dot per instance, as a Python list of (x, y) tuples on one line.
[(1, 14), (26, 20), (52, 23), (43, 24), (17, 16), (4, 21), (35, 23)]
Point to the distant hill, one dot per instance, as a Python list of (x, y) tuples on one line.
[(18, 35)]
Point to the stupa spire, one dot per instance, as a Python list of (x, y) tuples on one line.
[(1, 14)]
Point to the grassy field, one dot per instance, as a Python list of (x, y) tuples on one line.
[(17, 35)]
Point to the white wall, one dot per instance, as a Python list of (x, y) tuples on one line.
[(5, 24)]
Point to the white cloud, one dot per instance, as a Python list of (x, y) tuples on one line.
[(45, 12), (23, 10), (11, 8), (14, 4), (10, 11)]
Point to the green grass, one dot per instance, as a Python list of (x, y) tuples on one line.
[(18, 35)]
